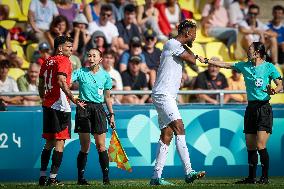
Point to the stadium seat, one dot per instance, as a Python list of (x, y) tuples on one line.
[(25, 7), (277, 99), (30, 50), (226, 72), (197, 49), (7, 24), (15, 73), (218, 49), (200, 38), (192, 73), (80, 1), (14, 10), (190, 5)]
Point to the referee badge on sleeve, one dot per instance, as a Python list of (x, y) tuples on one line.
[(100, 91), (258, 82)]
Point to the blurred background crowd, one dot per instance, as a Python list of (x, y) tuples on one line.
[(131, 34)]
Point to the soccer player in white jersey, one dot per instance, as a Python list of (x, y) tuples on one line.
[(164, 95)]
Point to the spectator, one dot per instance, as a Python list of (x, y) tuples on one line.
[(40, 15), (93, 11), (98, 40), (255, 31), (68, 9), (80, 34), (277, 26), (106, 26), (173, 13), (117, 8), (59, 26), (211, 79), (238, 11), (8, 84), (42, 54), (152, 55), (5, 37), (215, 23), (29, 83), (134, 79), (135, 50), (127, 28), (236, 82)]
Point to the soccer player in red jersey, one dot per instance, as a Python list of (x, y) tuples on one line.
[(55, 76)]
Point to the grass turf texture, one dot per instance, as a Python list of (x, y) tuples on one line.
[(275, 183)]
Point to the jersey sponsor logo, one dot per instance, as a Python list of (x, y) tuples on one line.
[(258, 82)]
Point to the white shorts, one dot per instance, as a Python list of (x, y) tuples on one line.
[(167, 109)]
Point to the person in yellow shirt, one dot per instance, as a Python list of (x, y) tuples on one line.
[(236, 82)]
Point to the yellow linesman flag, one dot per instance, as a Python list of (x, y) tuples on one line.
[(117, 154)]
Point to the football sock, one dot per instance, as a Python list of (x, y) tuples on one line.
[(56, 162), (45, 156), (161, 156), (104, 162), (252, 161), (81, 164), (183, 153), (264, 159)]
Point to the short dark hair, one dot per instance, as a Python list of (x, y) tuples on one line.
[(100, 52), (5, 63), (278, 7), (184, 25), (106, 7), (110, 52), (59, 40), (254, 6), (260, 48), (129, 8), (56, 20)]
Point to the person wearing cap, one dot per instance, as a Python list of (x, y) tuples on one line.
[(98, 40), (54, 90), (127, 28), (134, 79), (135, 49), (80, 34), (43, 53), (95, 85), (59, 26), (40, 15), (175, 53), (8, 84), (106, 26), (152, 54)]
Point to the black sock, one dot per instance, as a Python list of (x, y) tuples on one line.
[(104, 162), (56, 161), (252, 161), (45, 156), (264, 159), (81, 164)]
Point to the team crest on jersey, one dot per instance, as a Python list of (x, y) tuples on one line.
[(258, 82)]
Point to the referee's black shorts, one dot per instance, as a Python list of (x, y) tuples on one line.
[(92, 119), (258, 117)]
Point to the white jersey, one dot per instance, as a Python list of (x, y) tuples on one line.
[(170, 69)]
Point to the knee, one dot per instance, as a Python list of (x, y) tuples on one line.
[(167, 138), (251, 146), (85, 148), (261, 145), (101, 147)]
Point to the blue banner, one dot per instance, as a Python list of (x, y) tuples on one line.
[(214, 136)]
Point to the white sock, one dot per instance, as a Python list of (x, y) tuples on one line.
[(183, 153), (162, 151)]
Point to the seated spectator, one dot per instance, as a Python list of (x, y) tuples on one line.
[(238, 10), (8, 84), (42, 54), (29, 83), (134, 79), (5, 37), (80, 34), (253, 31), (59, 26), (15, 60), (277, 26), (108, 64), (117, 9), (68, 9), (93, 11), (106, 26), (211, 79), (127, 28), (236, 82), (135, 50), (215, 23), (40, 15), (173, 13), (152, 54)]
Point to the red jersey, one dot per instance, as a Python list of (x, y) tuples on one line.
[(54, 97)]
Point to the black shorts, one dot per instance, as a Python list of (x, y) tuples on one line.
[(258, 117), (92, 119), (56, 124)]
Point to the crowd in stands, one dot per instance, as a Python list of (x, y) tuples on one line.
[(131, 34)]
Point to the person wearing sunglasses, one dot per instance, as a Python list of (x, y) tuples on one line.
[(255, 31)]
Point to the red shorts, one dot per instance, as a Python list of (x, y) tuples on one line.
[(59, 136)]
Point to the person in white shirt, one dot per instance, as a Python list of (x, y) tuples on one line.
[(164, 96)]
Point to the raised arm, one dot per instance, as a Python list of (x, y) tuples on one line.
[(220, 64)]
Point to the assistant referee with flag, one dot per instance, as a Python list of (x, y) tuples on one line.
[(94, 88)]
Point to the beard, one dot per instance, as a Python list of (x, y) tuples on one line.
[(189, 44)]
